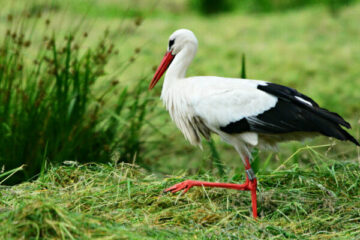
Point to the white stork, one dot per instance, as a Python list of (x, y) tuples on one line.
[(244, 113)]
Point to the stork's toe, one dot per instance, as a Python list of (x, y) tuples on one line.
[(186, 185)]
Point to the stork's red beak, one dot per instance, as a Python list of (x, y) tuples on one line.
[(162, 68)]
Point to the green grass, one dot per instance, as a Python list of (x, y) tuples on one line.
[(123, 201)]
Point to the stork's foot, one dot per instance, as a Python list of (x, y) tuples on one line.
[(185, 185), (249, 185)]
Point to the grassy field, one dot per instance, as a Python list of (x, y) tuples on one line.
[(123, 201), (304, 193)]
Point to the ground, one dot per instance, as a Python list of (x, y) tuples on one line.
[(123, 201)]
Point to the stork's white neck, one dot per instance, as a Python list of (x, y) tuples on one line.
[(177, 69)]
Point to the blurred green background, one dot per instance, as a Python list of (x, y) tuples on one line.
[(74, 76)]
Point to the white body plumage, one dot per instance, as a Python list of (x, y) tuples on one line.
[(196, 103)]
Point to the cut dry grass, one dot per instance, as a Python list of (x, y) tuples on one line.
[(100, 201)]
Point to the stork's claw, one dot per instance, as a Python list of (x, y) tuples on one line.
[(185, 185)]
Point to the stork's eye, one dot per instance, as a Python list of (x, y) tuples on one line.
[(171, 42)]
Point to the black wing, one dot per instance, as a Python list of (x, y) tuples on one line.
[(294, 112)]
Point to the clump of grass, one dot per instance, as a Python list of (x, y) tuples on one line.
[(123, 201), (54, 106), (208, 7)]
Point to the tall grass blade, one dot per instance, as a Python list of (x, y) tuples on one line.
[(215, 157)]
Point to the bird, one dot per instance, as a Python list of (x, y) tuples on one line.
[(245, 113)]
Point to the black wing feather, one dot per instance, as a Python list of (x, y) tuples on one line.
[(290, 114), (290, 94)]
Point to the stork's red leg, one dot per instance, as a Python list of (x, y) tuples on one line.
[(253, 197), (249, 185)]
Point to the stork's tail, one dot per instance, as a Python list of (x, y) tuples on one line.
[(332, 127), (341, 134)]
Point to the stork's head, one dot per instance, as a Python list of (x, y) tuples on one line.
[(177, 41)]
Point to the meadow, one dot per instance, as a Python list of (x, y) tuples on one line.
[(90, 149)]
